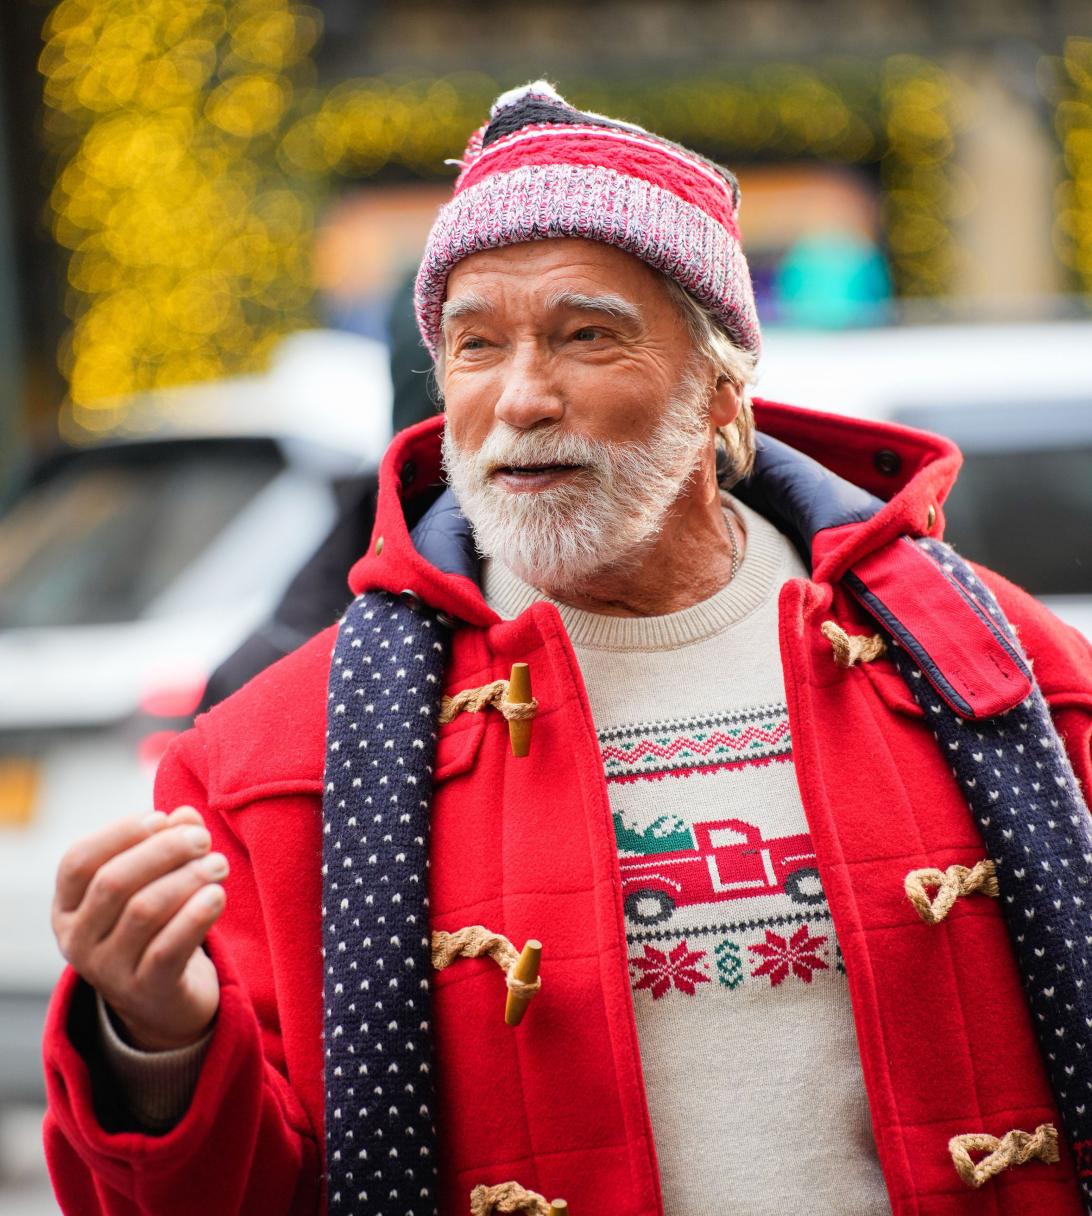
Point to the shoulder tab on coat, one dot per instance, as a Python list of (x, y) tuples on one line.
[(269, 738), (961, 651)]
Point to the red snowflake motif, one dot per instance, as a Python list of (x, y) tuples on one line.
[(798, 954), (662, 971)]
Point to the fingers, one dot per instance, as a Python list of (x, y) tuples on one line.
[(82, 861), (133, 904), (166, 955), (153, 906), (120, 879), (185, 814)]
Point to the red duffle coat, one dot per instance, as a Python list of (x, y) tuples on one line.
[(526, 847)]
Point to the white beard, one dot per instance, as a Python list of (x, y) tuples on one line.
[(605, 516)]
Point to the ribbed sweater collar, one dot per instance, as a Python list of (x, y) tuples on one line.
[(761, 573)]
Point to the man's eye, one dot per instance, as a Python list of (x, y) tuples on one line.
[(587, 334), (472, 344)]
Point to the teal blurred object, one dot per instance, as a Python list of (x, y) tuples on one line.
[(832, 280)]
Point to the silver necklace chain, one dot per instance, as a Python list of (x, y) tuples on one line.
[(735, 544)]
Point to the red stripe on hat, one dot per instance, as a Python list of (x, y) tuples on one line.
[(632, 157)]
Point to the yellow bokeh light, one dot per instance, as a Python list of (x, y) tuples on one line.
[(920, 192), (1073, 199), (188, 245), (248, 105)]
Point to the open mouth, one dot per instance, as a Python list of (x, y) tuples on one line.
[(535, 470)]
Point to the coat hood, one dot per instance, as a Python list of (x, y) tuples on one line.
[(839, 488)]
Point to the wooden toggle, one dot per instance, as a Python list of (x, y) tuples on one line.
[(519, 693), (522, 982), (512, 697), (520, 970)]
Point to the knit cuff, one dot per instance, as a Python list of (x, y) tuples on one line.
[(156, 1086)]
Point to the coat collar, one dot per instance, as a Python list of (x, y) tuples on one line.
[(851, 495), (840, 488)]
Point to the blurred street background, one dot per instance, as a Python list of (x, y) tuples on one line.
[(208, 213)]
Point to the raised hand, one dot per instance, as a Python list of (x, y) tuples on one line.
[(132, 906)]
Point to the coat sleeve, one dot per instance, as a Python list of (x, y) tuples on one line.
[(1061, 658), (244, 1146)]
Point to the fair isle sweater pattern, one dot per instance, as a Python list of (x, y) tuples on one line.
[(713, 901), (659, 749)]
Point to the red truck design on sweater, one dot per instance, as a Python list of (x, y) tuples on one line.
[(731, 861)]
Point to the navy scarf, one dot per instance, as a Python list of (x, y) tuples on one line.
[(384, 699)]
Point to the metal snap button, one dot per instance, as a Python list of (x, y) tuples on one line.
[(887, 461)]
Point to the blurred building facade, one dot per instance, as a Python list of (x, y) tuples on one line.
[(187, 180)]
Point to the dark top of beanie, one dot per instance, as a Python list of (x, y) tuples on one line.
[(534, 110), (544, 110)]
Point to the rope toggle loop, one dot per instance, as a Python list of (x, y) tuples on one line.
[(508, 1197), (1014, 1148), (850, 649), (494, 695), (512, 697), (951, 883), (520, 967)]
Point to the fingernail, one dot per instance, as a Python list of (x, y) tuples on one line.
[(198, 839), (212, 896), (215, 865), (155, 820)]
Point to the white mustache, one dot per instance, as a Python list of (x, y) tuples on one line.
[(505, 447)]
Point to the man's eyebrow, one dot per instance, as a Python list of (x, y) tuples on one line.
[(605, 302), (463, 306), (608, 303)]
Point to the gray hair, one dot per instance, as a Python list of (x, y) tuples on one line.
[(712, 344)]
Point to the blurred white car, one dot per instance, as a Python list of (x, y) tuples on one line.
[(129, 569), (1018, 401)]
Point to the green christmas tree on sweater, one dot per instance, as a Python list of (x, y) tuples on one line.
[(667, 834)]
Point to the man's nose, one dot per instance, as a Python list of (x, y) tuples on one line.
[(530, 393)]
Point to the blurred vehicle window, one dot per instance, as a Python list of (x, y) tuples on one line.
[(1029, 515), (101, 537), (1022, 504)]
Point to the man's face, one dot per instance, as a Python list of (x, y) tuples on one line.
[(575, 408)]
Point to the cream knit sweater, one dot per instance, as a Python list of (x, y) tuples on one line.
[(743, 1015)]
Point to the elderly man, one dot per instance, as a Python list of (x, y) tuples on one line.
[(768, 858)]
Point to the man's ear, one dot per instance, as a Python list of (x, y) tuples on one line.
[(726, 402)]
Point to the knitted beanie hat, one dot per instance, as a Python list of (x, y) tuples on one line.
[(540, 168)]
